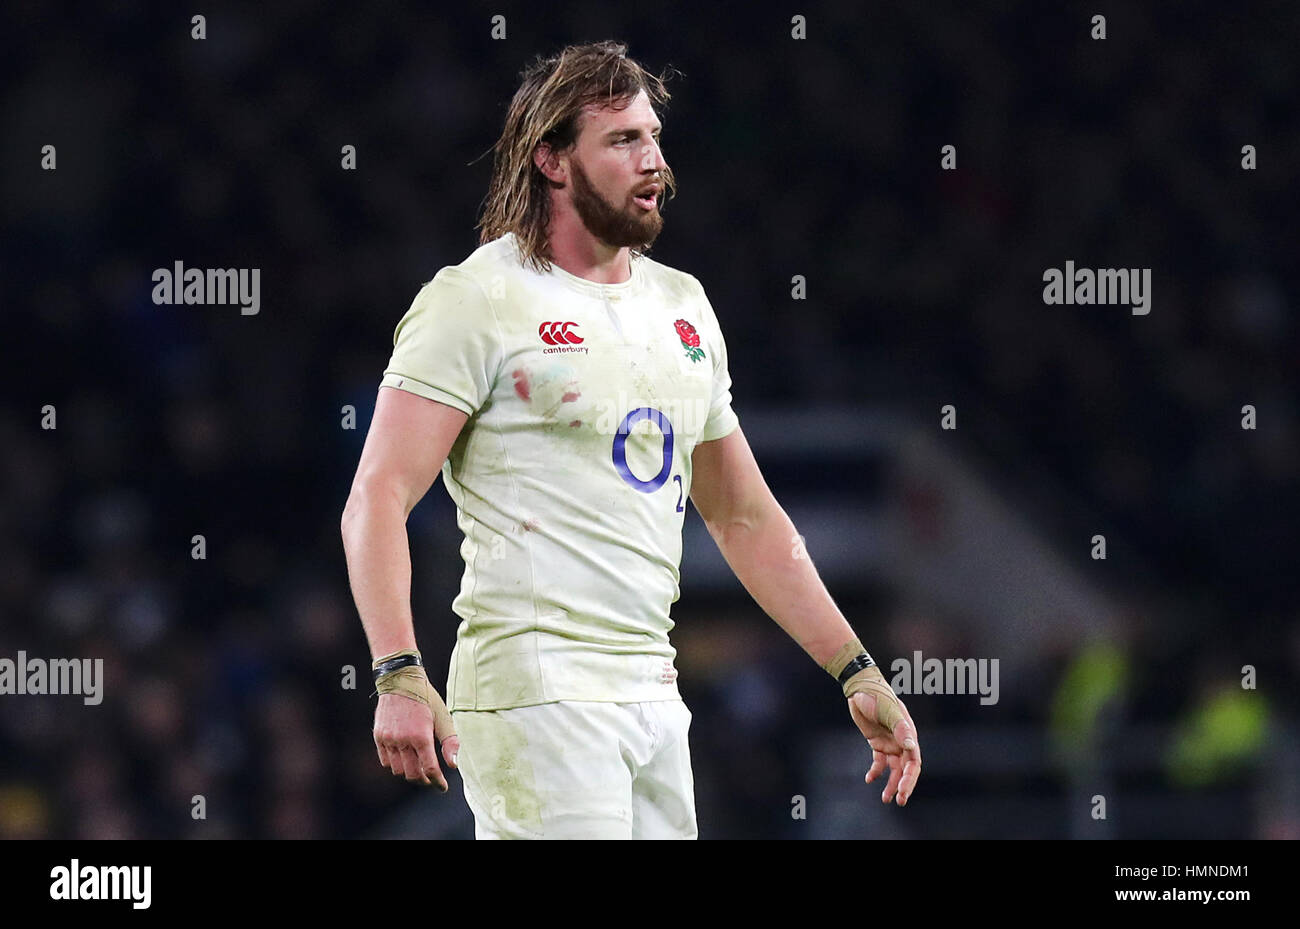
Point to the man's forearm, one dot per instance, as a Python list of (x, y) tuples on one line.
[(767, 555), (379, 569)]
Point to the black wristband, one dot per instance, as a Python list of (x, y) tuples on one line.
[(861, 663), (396, 664)]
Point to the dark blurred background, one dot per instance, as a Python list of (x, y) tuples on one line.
[(1119, 678)]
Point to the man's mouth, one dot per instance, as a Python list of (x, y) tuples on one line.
[(647, 200)]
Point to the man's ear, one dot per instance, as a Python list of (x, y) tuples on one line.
[(551, 164)]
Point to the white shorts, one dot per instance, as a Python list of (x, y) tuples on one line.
[(579, 770)]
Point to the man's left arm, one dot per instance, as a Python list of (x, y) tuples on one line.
[(763, 548)]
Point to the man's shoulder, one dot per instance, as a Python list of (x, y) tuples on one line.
[(487, 261), (473, 280), (671, 279)]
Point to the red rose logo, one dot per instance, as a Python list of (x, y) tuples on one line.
[(690, 339)]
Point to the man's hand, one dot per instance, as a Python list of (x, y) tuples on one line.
[(900, 749), (404, 733)]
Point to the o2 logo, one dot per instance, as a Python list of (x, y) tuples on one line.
[(620, 453)]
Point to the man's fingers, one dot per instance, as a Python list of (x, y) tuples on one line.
[(394, 759), (411, 764), (877, 765), (398, 761), (450, 749), (428, 757), (910, 741), (388, 756), (895, 775), (905, 735), (910, 761), (911, 766)]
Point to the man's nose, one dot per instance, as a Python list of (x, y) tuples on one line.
[(652, 158)]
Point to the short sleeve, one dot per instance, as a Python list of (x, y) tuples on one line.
[(445, 346), (722, 419)]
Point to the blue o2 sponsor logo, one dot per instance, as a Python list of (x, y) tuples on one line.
[(620, 449)]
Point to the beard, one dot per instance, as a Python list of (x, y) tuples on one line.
[(627, 226)]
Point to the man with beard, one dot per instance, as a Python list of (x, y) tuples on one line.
[(574, 394)]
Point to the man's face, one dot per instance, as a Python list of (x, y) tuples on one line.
[(615, 159)]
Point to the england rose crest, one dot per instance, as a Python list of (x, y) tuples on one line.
[(690, 340)]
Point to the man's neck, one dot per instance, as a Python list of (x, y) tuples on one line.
[(590, 259)]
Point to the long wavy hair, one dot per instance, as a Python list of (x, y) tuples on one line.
[(548, 108)]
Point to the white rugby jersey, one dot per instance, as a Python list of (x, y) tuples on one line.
[(572, 474)]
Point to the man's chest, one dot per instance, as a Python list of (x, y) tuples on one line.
[(588, 368)]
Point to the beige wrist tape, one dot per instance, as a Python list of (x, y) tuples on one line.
[(871, 681), (397, 654), (412, 682), (848, 651), (409, 682), (867, 681)]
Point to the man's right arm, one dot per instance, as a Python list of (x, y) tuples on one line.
[(408, 442), (409, 439)]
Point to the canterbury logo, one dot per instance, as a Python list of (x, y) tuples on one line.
[(559, 334)]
